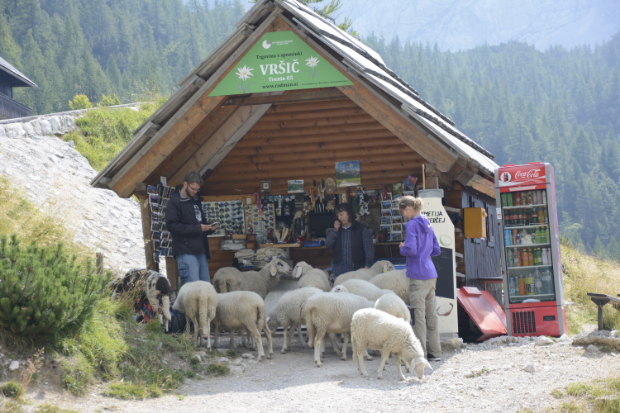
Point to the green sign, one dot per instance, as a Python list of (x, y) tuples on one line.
[(279, 61)]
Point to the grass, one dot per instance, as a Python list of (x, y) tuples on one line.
[(478, 373), (12, 406), (104, 132), (599, 396), (583, 274), (12, 390)]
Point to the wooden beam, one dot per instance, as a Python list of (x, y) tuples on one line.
[(333, 94), (482, 185), (315, 121), (143, 199), (196, 138), (306, 107), (223, 139), (319, 130), (315, 114), (357, 136), (321, 146)]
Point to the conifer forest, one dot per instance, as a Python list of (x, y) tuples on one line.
[(523, 105)]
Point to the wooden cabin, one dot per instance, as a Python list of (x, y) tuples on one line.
[(239, 119), (9, 79)]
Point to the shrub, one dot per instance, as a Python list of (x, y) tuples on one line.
[(12, 390), (80, 102), (109, 101), (43, 291)]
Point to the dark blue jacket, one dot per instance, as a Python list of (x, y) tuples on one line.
[(184, 225)]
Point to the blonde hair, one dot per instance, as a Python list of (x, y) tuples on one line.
[(408, 200)]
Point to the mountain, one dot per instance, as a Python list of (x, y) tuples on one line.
[(460, 25)]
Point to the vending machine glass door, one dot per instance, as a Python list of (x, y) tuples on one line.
[(527, 246)]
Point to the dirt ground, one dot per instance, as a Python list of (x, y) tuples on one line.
[(487, 377)]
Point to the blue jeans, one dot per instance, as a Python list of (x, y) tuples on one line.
[(193, 267)]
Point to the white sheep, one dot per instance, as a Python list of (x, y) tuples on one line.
[(394, 305), (331, 313), (289, 311), (381, 331), (396, 281), (241, 310), (198, 302), (364, 288), (365, 273), (310, 277), (229, 279)]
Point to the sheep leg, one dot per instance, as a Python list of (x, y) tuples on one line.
[(290, 335), (285, 341), (300, 336), (344, 346), (384, 356), (360, 360), (367, 355), (400, 371), (320, 334), (407, 365), (269, 341), (253, 329), (335, 344), (216, 329)]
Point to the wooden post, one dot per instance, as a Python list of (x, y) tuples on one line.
[(100, 263), (145, 213), (431, 177), (172, 272)]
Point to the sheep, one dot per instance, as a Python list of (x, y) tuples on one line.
[(310, 277), (229, 279), (396, 281), (289, 311), (331, 313), (381, 331), (240, 310), (394, 305), (364, 288), (146, 285), (198, 302), (365, 273)]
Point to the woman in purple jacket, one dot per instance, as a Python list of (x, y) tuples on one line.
[(419, 246)]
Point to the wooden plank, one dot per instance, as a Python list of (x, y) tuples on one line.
[(314, 106), (312, 122), (248, 142), (172, 272), (275, 133), (482, 185), (339, 148), (314, 114), (145, 211), (241, 121), (332, 94), (196, 138)]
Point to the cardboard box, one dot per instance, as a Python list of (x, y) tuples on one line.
[(475, 223)]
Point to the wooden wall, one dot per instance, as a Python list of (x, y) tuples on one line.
[(304, 141), (482, 256)]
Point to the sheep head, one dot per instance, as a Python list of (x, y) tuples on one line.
[(420, 364), (339, 289), (382, 266), (300, 269), (278, 267)]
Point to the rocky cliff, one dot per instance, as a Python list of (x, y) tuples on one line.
[(57, 178)]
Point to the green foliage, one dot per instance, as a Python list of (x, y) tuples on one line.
[(217, 369), (80, 102), (109, 101), (131, 391), (44, 290), (77, 374), (49, 408), (104, 132), (12, 390)]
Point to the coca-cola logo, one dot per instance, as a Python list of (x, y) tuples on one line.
[(505, 177), (532, 173)]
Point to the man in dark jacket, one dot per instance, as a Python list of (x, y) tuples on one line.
[(351, 242), (189, 231)]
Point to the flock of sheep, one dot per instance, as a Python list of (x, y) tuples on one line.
[(368, 306)]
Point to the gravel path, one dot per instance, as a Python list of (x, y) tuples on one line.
[(291, 382)]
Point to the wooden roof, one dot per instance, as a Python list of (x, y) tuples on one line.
[(17, 79), (235, 141)]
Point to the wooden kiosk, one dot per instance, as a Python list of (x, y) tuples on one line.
[(241, 117)]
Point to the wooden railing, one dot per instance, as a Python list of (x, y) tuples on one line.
[(11, 109)]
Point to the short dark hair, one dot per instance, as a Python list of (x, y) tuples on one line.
[(193, 178), (346, 208)]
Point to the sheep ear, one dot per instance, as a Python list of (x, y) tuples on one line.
[(274, 269), (297, 272), (385, 268)]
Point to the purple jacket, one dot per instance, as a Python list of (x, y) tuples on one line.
[(420, 245)]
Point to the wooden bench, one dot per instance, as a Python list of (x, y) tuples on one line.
[(601, 300)]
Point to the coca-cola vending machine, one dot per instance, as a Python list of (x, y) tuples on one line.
[(531, 265)]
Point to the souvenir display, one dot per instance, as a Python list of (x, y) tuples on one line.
[(228, 215), (159, 197), (260, 221)]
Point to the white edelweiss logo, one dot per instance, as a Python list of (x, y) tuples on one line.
[(266, 44), (312, 61), (244, 73)]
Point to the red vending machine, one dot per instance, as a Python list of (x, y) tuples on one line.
[(531, 265)]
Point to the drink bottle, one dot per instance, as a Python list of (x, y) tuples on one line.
[(544, 197), (546, 216), (547, 237), (540, 217), (538, 256), (545, 261), (509, 260), (538, 288), (517, 199), (530, 257), (521, 285), (512, 286), (533, 217), (529, 284), (522, 216), (516, 237), (547, 282)]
